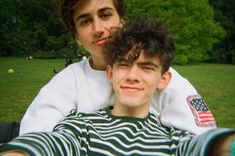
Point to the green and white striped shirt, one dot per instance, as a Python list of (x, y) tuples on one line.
[(101, 133)]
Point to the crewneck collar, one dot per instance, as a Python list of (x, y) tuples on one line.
[(125, 118), (98, 74)]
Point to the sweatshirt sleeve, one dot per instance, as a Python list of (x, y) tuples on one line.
[(180, 106), (54, 101)]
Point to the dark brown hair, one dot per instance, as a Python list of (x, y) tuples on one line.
[(145, 33), (67, 8)]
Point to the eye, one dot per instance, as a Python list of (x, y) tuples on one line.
[(106, 15), (85, 22), (123, 64), (148, 68)]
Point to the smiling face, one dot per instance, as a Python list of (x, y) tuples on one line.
[(94, 19), (134, 84)]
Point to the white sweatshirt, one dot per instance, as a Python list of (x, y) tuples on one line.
[(81, 87)]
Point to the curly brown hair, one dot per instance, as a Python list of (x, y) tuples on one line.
[(153, 36), (67, 8)]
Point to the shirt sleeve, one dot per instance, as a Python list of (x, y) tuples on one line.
[(177, 136), (180, 106), (54, 101), (201, 144), (66, 139)]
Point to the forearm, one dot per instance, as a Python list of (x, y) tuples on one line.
[(39, 144), (222, 146), (204, 144), (14, 153)]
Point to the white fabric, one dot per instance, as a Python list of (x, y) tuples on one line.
[(79, 86)]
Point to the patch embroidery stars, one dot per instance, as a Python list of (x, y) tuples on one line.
[(202, 115)]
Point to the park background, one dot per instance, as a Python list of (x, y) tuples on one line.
[(204, 32)]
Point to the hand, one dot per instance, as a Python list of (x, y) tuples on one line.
[(14, 153), (222, 146)]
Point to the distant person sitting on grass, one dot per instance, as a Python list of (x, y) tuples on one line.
[(139, 57), (29, 57), (68, 60)]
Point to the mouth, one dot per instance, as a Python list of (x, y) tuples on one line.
[(101, 42), (131, 89)]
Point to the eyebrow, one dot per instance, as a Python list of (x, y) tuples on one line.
[(144, 63), (82, 16), (123, 60), (85, 15), (148, 63)]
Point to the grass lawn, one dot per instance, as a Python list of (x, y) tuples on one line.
[(18, 89), (215, 82)]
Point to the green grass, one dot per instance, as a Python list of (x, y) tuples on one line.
[(17, 90), (215, 82)]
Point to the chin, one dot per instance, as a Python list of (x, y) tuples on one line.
[(131, 103)]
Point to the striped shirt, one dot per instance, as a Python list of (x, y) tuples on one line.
[(101, 133)]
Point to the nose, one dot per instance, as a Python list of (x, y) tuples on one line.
[(133, 74), (98, 27)]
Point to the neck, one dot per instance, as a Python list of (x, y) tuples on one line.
[(97, 65), (136, 112)]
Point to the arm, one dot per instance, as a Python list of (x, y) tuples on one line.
[(14, 153), (43, 143), (76, 87), (176, 109), (52, 104), (222, 146), (65, 140), (214, 142)]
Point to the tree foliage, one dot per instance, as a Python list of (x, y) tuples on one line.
[(34, 27), (225, 15), (31, 27), (192, 23)]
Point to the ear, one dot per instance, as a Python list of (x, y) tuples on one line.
[(77, 39), (122, 22), (164, 81), (109, 73)]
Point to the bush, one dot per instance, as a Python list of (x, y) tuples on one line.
[(44, 55), (61, 53), (3, 53), (181, 59), (65, 51)]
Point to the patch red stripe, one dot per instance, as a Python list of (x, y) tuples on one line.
[(207, 121), (203, 117), (208, 112)]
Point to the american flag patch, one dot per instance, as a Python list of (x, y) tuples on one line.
[(202, 115)]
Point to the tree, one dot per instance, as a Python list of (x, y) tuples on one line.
[(8, 27), (42, 22), (192, 23), (225, 15), (29, 27), (34, 26)]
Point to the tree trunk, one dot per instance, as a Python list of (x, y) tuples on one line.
[(229, 56)]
